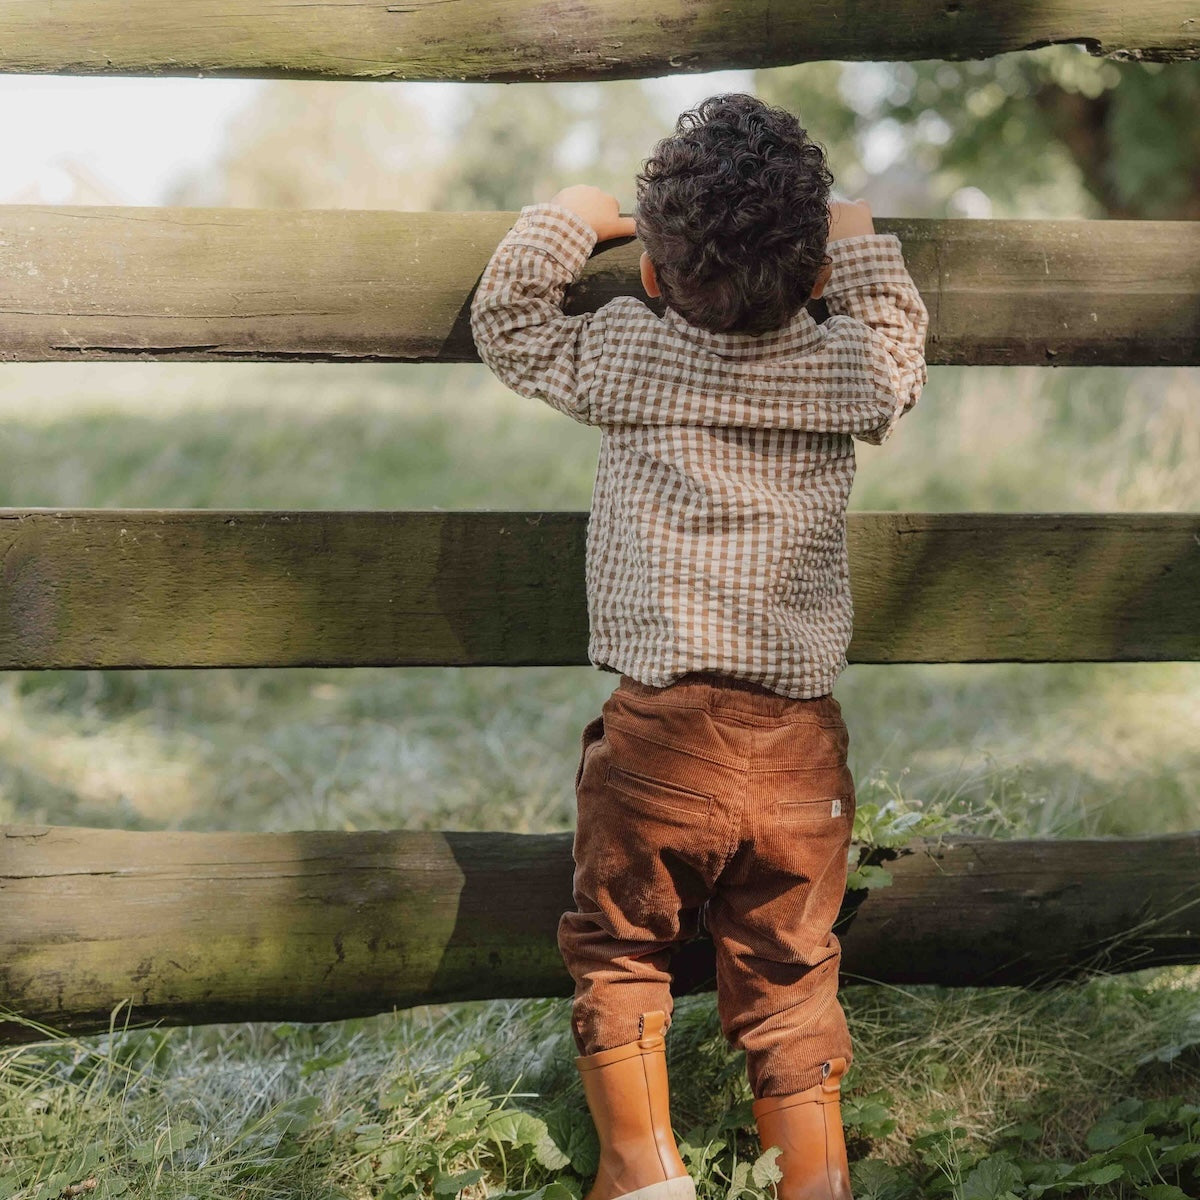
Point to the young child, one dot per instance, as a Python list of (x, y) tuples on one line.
[(713, 789)]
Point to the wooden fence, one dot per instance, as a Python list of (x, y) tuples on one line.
[(196, 927), (326, 925), (240, 284), (509, 40)]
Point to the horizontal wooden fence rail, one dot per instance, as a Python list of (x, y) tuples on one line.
[(204, 927), (246, 284), (520, 40), (203, 588)]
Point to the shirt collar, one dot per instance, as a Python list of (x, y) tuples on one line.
[(798, 336)]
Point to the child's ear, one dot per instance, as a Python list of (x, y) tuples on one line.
[(649, 276), (822, 279)]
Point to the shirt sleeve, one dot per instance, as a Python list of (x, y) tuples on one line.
[(517, 321), (871, 284)]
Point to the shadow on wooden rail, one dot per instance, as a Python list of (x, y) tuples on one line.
[(211, 588), (196, 928)]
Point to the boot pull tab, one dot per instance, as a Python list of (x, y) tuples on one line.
[(651, 1027), (831, 1078)]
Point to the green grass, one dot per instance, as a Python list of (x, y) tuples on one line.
[(389, 1105)]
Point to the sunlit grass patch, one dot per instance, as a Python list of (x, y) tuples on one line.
[(391, 1104), (83, 769)]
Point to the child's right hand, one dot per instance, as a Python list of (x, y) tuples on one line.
[(849, 218)]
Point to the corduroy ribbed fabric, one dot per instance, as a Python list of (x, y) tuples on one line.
[(718, 801)]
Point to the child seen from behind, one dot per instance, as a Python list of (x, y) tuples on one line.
[(713, 790)]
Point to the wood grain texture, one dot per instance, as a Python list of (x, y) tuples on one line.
[(319, 926), (546, 39), (143, 588), (245, 284)]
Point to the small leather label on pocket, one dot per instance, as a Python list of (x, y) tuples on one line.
[(836, 809)]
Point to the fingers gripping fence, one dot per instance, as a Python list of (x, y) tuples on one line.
[(326, 925)]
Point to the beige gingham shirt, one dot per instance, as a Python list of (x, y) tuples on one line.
[(717, 534)]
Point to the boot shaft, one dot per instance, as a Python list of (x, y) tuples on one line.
[(807, 1128), (629, 1099)]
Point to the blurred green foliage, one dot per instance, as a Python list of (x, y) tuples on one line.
[(1017, 127), (1048, 133)]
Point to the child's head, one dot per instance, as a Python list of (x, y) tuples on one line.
[(733, 212)]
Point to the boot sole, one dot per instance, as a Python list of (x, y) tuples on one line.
[(679, 1188)]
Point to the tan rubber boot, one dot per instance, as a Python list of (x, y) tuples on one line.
[(807, 1127), (626, 1090)]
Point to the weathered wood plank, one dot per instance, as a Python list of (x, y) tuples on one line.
[(110, 588), (244, 284), (518, 40), (321, 926)]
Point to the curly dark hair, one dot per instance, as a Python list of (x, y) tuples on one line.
[(733, 210)]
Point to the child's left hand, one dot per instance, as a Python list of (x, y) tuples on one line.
[(598, 209)]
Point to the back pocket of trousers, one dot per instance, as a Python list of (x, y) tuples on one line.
[(656, 797), (817, 811)]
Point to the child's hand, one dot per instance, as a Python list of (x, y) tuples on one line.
[(849, 218), (598, 209)]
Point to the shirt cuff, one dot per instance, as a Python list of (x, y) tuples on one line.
[(558, 231), (864, 260)]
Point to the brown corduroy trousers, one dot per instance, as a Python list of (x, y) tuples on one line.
[(719, 802)]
